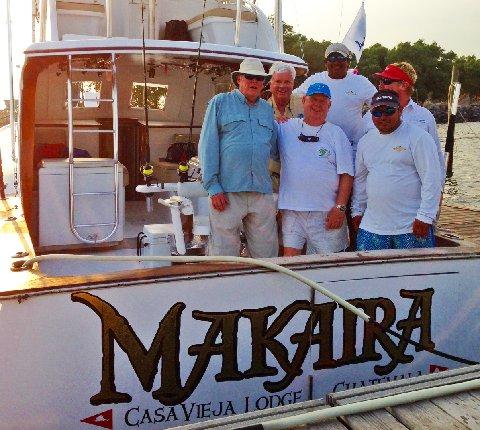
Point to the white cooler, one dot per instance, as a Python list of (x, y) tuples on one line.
[(91, 175)]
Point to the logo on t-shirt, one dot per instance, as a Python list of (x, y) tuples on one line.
[(351, 93), (323, 152), (399, 148)]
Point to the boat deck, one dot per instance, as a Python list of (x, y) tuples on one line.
[(457, 411), (461, 222)]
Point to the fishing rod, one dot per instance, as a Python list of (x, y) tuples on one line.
[(145, 89), (197, 66)]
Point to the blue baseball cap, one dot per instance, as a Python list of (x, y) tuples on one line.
[(319, 88)]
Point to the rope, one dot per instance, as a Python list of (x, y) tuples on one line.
[(254, 262), (419, 346), (199, 259)]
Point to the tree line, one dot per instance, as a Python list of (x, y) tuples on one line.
[(432, 63)]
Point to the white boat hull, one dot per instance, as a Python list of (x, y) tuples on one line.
[(181, 349)]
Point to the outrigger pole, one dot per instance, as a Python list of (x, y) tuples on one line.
[(238, 22), (453, 96), (12, 106), (278, 24)]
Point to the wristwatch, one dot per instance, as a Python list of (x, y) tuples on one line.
[(341, 208)]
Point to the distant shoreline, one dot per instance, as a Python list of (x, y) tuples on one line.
[(465, 113)]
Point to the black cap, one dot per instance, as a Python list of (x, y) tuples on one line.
[(385, 98)]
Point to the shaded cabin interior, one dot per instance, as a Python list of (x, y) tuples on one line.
[(74, 26), (170, 86)]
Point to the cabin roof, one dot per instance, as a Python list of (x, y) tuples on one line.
[(119, 45)]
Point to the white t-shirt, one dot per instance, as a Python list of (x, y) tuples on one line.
[(421, 117), (310, 171), (397, 180), (348, 97)]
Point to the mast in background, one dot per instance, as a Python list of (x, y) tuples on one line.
[(151, 19), (278, 24), (34, 18), (108, 10), (43, 20), (238, 21), (453, 96)]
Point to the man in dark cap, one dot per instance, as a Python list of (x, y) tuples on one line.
[(397, 184)]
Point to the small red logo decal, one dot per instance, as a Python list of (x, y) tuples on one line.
[(435, 368), (103, 419)]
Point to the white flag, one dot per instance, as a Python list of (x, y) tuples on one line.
[(355, 37)]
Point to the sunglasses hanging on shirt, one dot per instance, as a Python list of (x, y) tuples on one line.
[(309, 139)]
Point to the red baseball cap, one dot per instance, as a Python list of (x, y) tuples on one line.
[(395, 73)]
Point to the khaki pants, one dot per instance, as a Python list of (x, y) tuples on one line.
[(255, 212)]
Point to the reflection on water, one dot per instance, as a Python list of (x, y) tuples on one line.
[(451, 187), (463, 188)]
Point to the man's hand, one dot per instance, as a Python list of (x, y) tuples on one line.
[(356, 220), (420, 228), (281, 118), (219, 201), (335, 218)]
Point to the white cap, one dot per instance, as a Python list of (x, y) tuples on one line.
[(338, 47)]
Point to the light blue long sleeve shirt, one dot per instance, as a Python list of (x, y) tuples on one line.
[(236, 143)]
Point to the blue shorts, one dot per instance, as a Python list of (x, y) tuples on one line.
[(367, 241)]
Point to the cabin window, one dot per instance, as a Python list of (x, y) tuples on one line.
[(156, 96), (87, 94)]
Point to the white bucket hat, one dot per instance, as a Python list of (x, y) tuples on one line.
[(249, 66)]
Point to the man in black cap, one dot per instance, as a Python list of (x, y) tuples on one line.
[(397, 184)]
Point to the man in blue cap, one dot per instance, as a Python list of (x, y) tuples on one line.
[(316, 178)]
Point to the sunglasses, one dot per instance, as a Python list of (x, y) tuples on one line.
[(336, 57), (254, 78), (388, 111), (387, 81), (309, 139)]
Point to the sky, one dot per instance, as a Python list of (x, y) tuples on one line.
[(453, 24)]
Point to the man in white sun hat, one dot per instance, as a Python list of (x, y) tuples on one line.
[(238, 135)]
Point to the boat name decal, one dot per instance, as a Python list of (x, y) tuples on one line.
[(317, 334)]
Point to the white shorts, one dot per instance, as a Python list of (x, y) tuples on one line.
[(299, 227)]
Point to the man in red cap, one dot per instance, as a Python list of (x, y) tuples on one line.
[(401, 78)]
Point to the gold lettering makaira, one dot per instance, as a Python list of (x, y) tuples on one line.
[(316, 336)]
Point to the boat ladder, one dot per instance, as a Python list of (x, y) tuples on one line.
[(74, 165)]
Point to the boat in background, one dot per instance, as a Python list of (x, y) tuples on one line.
[(124, 338)]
